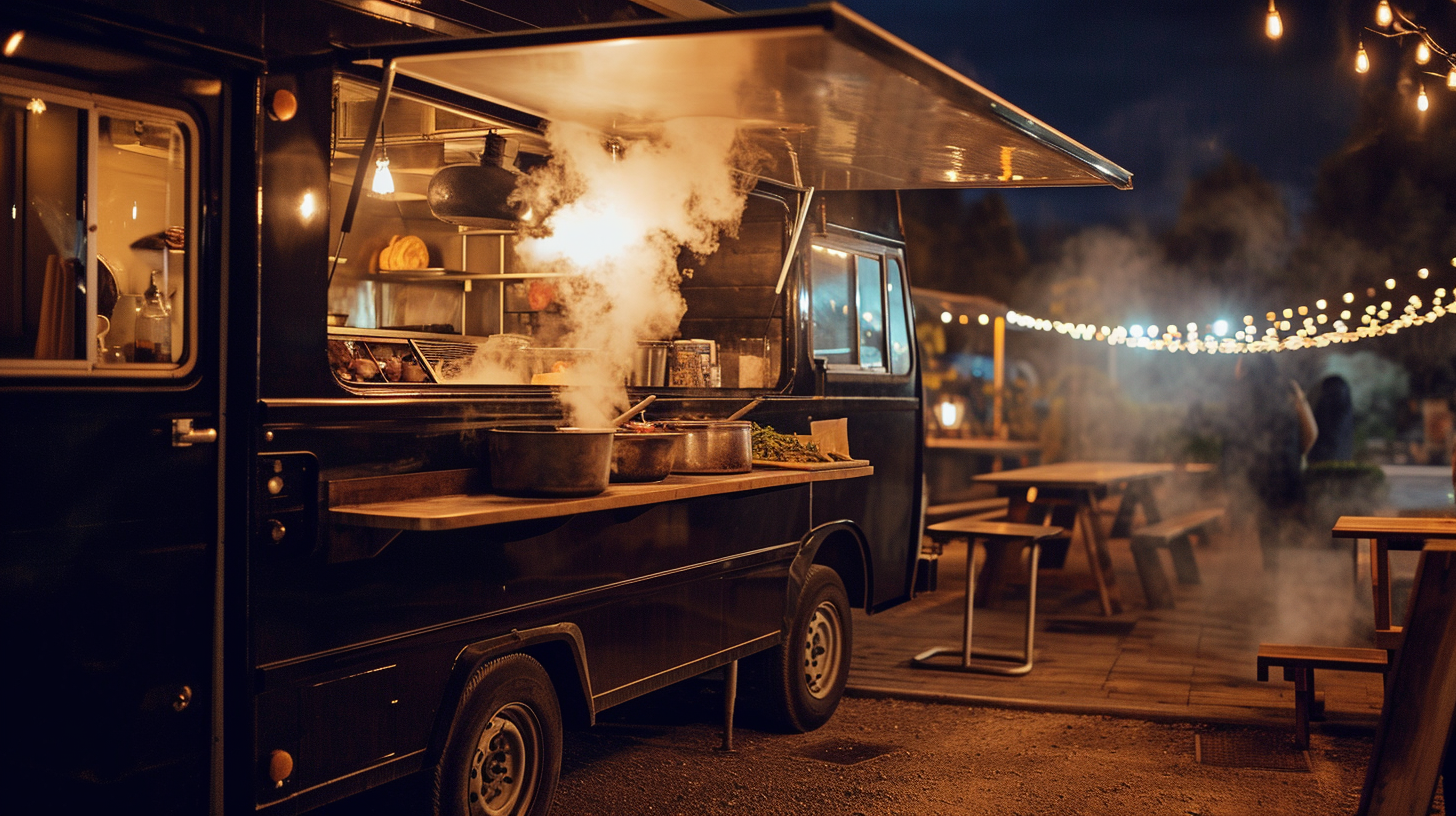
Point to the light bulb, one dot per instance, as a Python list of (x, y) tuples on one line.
[(1320, 304), (1273, 26), (945, 317), (1383, 15), (1451, 78), (1362, 60), (1423, 273), (1423, 53), (1423, 103), (1348, 297), (1389, 284), (983, 320), (383, 180)]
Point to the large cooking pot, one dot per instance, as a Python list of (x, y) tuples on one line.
[(643, 456), (550, 461), (713, 446)]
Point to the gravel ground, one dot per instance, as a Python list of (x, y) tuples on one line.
[(877, 757)]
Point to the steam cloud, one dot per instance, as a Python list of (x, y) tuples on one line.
[(617, 216)]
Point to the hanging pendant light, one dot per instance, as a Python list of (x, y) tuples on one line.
[(1273, 25), (1362, 60), (1383, 14), (383, 183), (1423, 103)]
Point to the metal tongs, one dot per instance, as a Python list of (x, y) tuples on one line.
[(633, 411)]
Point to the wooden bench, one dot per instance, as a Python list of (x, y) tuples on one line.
[(994, 533), (1174, 535), (1299, 663), (995, 506)]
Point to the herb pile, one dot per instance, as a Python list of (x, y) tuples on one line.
[(771, 445)]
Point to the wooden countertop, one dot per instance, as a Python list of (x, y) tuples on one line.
[(1077, 475), (453, 511), (1005, 446)]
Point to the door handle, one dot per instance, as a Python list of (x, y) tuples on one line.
[(184, 435)]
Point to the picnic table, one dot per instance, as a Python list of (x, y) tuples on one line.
[(1022, 450), (1074, 489), (1386, 534)]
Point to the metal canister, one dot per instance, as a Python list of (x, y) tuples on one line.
[(649, 367)]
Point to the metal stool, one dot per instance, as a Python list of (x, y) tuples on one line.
[(972, 529)]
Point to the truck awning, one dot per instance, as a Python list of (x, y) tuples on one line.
[(832, 100)]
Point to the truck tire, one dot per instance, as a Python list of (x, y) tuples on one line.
[(801, 681), (502, 756)]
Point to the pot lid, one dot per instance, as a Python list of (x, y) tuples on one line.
[(833, 101)]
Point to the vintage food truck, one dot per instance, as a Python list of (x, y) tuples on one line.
[(280, 275)]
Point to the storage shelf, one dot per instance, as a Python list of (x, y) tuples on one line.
[(436, 274)]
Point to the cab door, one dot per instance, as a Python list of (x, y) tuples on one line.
[(109, 385)]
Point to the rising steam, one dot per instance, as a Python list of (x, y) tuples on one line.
[(617, 215)]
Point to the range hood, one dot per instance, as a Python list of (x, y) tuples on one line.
[(834, 101)]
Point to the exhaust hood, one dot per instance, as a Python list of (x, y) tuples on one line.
[(831, 100)]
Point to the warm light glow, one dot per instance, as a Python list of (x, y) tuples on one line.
[(308, 206), (1284, 325), (1220, 327), (1423, 273), (1362, 60), (1423, 102), (1304, 310), (947, 413), (945, 317), (1345, 315), (1383, 15), (1271, 317), (1321, 304), (1192, 328), (1289, 313), (36, 105), (1248, 320), (12, 43), (870, 318), (1423, 53), (1273, 26), (983, 319), (1451, 79), (1389, 284), (1349, 297), (383, 180)]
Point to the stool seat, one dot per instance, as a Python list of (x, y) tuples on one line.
[(992, 532)]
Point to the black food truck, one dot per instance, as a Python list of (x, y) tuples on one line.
[(319, 318)]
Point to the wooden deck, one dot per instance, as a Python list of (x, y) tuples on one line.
[(1192, 663)]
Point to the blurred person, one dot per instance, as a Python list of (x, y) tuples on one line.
[(1270, 427), (1334, 415)]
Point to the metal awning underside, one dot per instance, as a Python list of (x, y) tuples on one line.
[(832, 100)]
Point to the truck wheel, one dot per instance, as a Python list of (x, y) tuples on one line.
[(503, 753), (807, 672)]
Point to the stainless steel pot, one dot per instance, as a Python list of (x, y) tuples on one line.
[(550, 461), (643, 457), (713, 446)]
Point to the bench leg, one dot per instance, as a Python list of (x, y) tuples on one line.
[(1150, 572), (1303, 679), (1184, 566)]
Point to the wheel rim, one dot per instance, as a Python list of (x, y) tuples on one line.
[(823, 650), (505, 763)]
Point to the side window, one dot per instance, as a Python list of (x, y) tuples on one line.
[(857, 305), (96, 270), (896, 313)]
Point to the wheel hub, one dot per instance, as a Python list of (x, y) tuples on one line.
[(823, 650), (505, 763)]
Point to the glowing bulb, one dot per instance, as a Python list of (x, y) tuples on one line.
[(1320, 304), (1362, 60), (1345, 315), (1322, 319), (1348, 297), (1423, 53), (1220, 327), (1284, 325), (1423, 273), (1385, 305), (1383, 15), (1370, 309), (1136, 331), (36, 105), (1248, 320), (1288, 313), (870, 318), (1192, 328), (1451, 78), (1304, 310), (1423, 102), (1390, 283), (1273, 26), (383, 180), (1270, 317), (983, 320), (308, 206), (945, 317), (1152, 331), (12, 43), (1441, 292)]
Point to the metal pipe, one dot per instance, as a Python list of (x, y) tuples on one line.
[(386, 85), (794, 240)]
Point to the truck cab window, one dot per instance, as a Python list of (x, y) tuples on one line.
[(108, 298), (858, 308)]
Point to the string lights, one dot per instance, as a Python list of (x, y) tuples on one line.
[(1273, 25), (1394, 24), (1295, 327)]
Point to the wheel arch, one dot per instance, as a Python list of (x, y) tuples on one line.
[(841, 546), (559, 648)]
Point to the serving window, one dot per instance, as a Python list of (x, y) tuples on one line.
[(98, 274), (857, 307)]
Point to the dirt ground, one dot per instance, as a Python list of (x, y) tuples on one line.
[(895, 757)]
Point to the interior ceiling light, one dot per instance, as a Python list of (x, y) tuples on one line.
[(1423, 102), (383, 183)]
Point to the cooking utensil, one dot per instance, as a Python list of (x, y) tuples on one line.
[(741, 412), (476, 195), (633, 411), (550, 461), (713, 446), (649, 366), (643, 457)]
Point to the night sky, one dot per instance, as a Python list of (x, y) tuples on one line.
[(1165, 89)]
